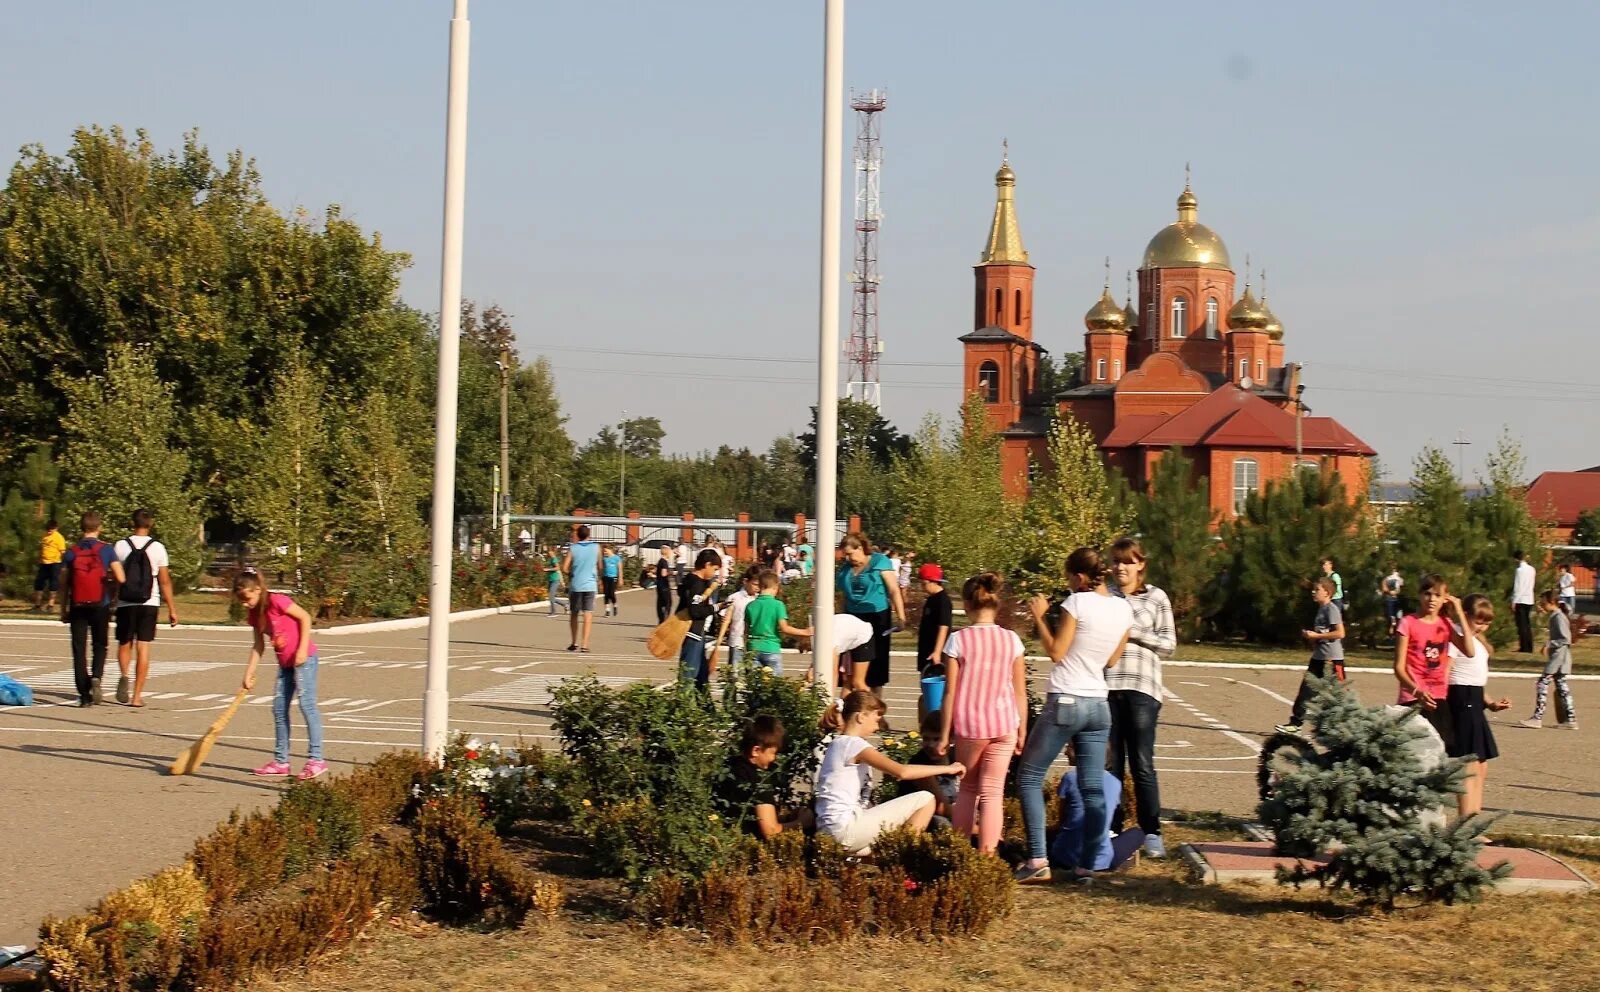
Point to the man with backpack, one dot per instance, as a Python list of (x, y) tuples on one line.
[(86, 605), (140, 569)]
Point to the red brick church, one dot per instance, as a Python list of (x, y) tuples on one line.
[(1191, 365)]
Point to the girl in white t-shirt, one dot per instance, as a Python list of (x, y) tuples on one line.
[(1470, 737), (844, 779), (1092, 633)]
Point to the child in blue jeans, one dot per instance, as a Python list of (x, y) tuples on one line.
[(289, 625), (764, 619)]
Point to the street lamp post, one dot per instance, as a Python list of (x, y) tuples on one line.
[(622, 477), (823, 660), (436, 692), (503, 508)]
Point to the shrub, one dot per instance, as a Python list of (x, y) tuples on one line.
[(465, 873), (637, 839), (150, 922), (808, 890), (521, 783), (757, 692), (318, 824)]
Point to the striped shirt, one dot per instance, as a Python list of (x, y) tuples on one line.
[(985, 703), (1153, 637)]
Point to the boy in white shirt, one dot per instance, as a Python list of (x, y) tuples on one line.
[(142, 576)]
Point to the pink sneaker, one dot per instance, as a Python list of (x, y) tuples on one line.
[(273, 769), (311, 770)]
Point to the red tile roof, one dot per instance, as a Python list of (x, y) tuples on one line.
[(1563, 495), (1230, 417)]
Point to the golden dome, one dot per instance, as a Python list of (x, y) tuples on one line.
[(1106, 315), (1186, 243), (1247, 314), (1005, 177), (1131, 315), (1273, 326)]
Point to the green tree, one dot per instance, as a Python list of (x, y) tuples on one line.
[(285, 493), (121, 455), (380, 490), (1273, 550), (951, 500), (1072, 504), (862, 429), (1174, 519), (1587, 534), (541, 450), (1438, 532), (784, 481), (867, 490), (1502, 516), (31, 495)]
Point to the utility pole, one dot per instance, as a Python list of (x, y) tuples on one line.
[(823, 660), (504, 506), (1299, 414), (1461, 443), (622, 479), (436, 690)]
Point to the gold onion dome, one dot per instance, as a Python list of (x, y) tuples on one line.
[(1004, 246), (1131, 316), (1273, 326), (1248, 314), (1186, 243), (1106, 315)]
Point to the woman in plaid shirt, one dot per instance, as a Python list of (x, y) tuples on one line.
[(1135, 697)]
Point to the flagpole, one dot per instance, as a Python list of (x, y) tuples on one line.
[(823, 659)]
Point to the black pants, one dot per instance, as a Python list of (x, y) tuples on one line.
[(1132, 749), (1319, 668), (87, 621), (663, 601), (1524, 614), (609, 584)]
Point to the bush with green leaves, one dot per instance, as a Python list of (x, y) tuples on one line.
[(1355, 792), (757, 692), (511, 784)]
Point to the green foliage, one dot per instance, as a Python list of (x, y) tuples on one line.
[(29, 498), (122, 453), (1272, 550), (1502, 516), (381, 489), (284, 493), (1173, 520), (862, 431), (1358, 794), (952, 499), (867, 490), (318, 824), (510, 784), (757, 692), (1587, 532), (1072, 504)]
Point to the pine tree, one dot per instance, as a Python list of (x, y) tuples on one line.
[(381, 492), (121, 454), (29, 503), (1173, 520), (1502, 516), (1436, 532), (951, 499), (1071, 505), (1357, 792), (285, 493)]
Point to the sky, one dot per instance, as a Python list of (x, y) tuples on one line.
[(643, 181)]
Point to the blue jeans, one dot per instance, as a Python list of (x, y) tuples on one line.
[(293, 682), (692, 665), (772, 660), (554, 593), (1086, 723), (735, 655)]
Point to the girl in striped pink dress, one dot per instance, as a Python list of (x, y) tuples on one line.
[(985, 709)]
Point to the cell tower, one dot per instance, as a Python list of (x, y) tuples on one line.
[(864, 347)]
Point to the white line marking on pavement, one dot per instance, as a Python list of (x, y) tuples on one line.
[(206, 696), (1176, 744), (1282, 699), (1203, 685)]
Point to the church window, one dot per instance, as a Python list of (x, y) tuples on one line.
[(1261, 371), (1211, 319), (1116, 369), (999, 306), (1180, 308), (989, 382), (1245, 479), (1244, 368), (1019, 308), (1099, 370)]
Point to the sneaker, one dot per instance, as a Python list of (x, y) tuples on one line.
[(122, 689), (1154, 848), (313, 768), (95, 695), (1032, 876), (1532, 723), (572, 647), (1570, 725), (1287, 728), (272, 769), (84, 702)]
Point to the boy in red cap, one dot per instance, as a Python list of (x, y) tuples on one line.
[(935, 624)]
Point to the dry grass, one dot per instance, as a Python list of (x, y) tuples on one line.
[(1147, 930)]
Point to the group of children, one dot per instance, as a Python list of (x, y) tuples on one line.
[(1442, 666)]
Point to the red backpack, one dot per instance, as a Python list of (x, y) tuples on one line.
[(88, 574)]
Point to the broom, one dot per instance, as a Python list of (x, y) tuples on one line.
[(193, 756)]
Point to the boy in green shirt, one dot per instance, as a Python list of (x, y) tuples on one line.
[(764, 619)]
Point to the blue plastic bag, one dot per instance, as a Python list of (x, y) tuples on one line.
[(14, 693)]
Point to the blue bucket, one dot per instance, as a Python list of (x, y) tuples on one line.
[(933, 693)]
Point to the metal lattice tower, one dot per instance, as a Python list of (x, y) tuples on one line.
[(864, 347)]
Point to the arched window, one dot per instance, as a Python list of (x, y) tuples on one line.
[(1245, 479), (989, 382), (1099, 370), (999, 306), (1261, 371), (1116, 369), (1019, 308), (1180, 310), (1244, 368), (1211, 319)]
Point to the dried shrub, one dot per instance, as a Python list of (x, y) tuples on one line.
[(465, 873), (332, 907), (381, 791), (240, 858), (799, 890), (318, 823), (133, 941)]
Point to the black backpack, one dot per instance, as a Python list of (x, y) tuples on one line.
[(138, 578)]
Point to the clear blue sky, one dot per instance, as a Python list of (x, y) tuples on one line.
[(1418, 179)]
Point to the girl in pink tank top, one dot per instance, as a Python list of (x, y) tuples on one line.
[(279, 619)]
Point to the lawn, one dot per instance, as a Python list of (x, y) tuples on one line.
[(1149, 929), (193, 607)]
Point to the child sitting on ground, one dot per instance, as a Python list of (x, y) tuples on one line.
[(844, 781), (943, 787), (1113, 850), (745, 795)]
